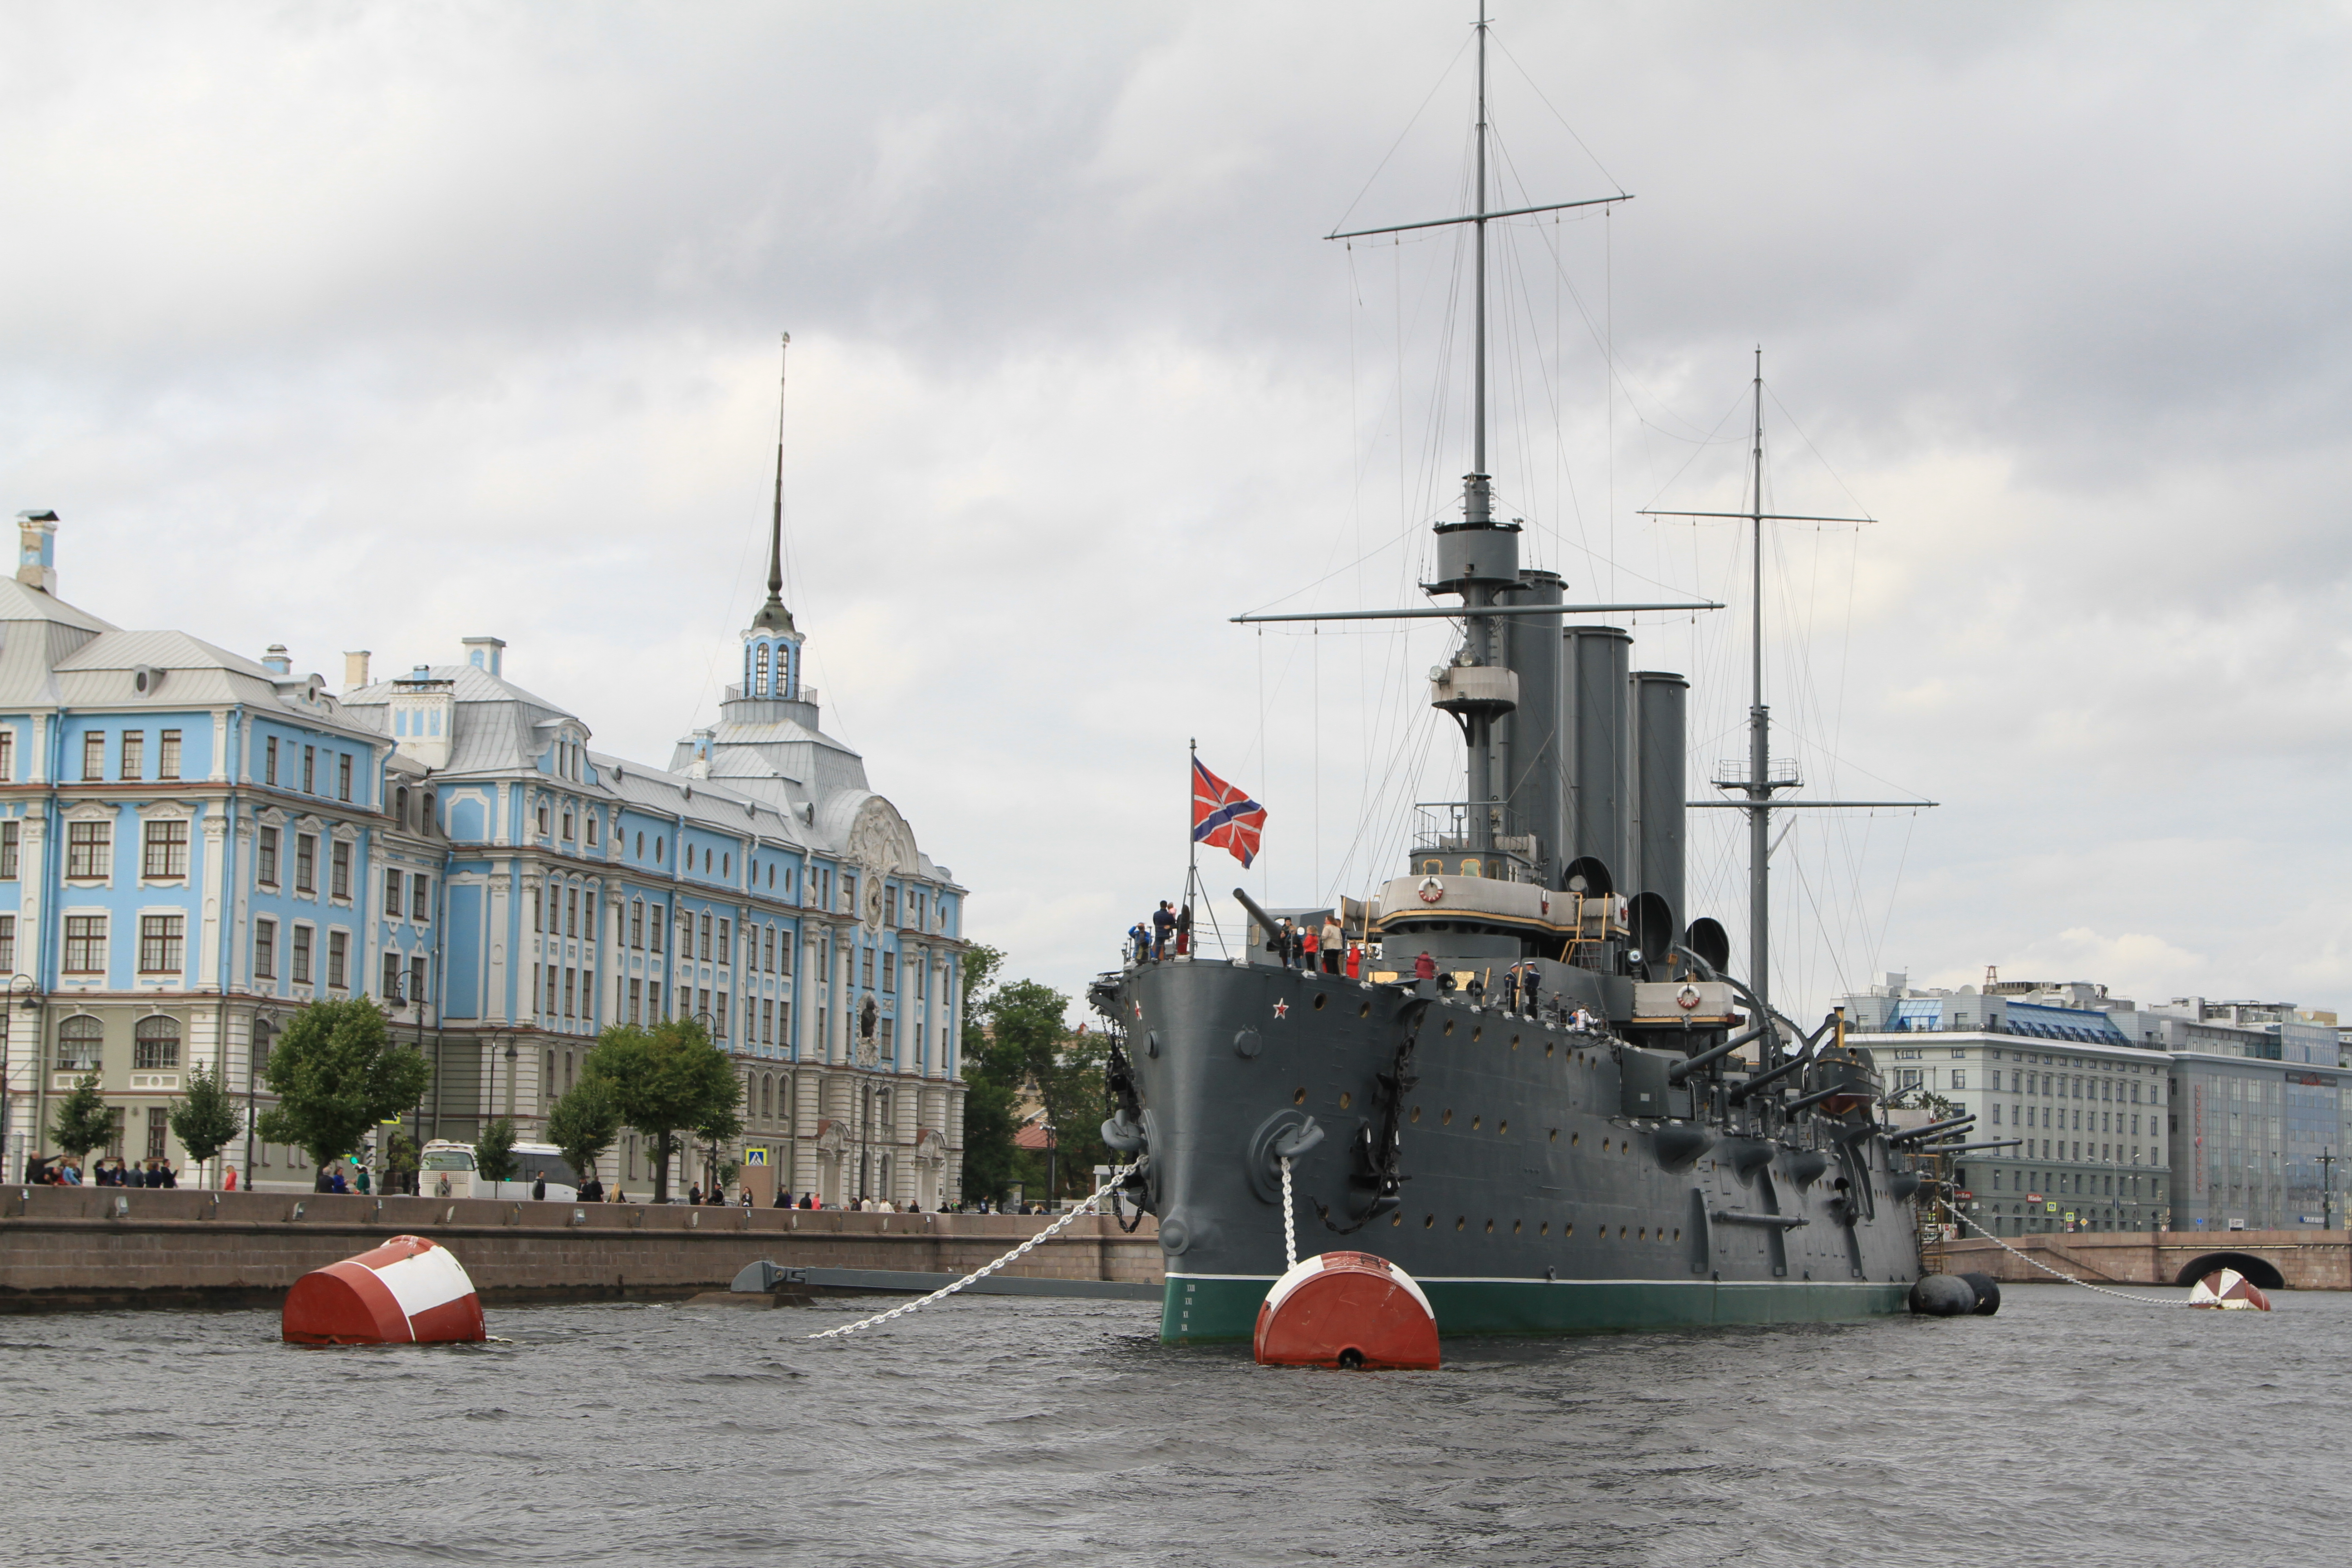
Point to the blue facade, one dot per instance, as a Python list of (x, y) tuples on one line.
[(195, 843)]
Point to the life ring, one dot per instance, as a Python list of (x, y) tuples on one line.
[(1431, 889), (1687, 997)]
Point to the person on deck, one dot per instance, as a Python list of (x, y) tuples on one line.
[(1425, 967), (1163, 930), (1355, 960), (1332, 941), (1184, 930), (1309, 942), (1140, 940)]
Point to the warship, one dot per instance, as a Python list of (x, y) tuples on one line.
[(1552, 1098)]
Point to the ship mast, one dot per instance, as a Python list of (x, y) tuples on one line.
[(1478, 511)]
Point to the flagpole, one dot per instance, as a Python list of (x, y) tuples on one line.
[(1191, 841)]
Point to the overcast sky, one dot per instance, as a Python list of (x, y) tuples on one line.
[(379, 326)]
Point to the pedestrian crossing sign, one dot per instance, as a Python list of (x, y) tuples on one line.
[(755, 1156)]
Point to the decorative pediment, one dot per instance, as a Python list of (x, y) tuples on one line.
[(90, 811), (831, 1136), (168, 811)]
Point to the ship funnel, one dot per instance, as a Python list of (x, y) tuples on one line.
[(1659, 703), (1596, 754)]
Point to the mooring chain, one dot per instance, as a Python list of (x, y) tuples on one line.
[(2086, 1284), (946, 1290), (1289, 1225)]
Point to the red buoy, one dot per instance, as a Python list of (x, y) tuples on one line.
[(407, 1291), (2227, 1288), (1347, 1309)]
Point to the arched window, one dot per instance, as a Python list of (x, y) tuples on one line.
[(767, 1097), (155, 1043), (641, 845), (592, 829), (425, 818), (79, 1040), (567, 822), (542, 819), (759, 671), (400, 806)]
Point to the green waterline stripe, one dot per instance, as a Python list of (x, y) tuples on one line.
[(1526, 1279)]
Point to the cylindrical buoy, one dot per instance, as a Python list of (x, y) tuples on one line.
[(1350, 1310), (1988, 1291), (1943, 1296), (407, 1291), (2229, 1290)]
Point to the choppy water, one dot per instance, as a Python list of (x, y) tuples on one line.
[(2070, 1430)]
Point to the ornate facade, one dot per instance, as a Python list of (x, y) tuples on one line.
[(194, 844)]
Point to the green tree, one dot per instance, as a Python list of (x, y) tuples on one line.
[(665, 1078), (337, 1073), (400, 1162), (494, 1155), (583, 1124), (991, 1160), (720, 1124), (85, 1121), (206, 1119)]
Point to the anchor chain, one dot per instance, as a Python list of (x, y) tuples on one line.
[(981, 1273), (1289, 1222)]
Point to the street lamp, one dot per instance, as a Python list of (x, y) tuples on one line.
[(265, 1024), (507, 1038), (27, 990), (708, 1024)]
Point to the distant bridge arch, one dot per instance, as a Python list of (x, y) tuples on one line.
[(2263, 1273)]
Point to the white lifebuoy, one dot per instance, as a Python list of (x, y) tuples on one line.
[(1687, 997), (1431, 889)]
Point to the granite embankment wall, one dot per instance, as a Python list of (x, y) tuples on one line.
[(2302, 1260), (66, 1247)]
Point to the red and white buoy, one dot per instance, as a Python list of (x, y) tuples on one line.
[(407, 1291), (2229, 1289), (1347, 1309)]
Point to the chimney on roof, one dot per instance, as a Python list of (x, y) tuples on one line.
[(37, 562), (355, 671), (485, 653), (276, 660)]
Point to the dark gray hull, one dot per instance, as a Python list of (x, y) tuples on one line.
[(1530, 1202)]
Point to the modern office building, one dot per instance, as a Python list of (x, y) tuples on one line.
[(194, 843)]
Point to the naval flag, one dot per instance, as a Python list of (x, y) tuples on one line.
[(1224, 818)]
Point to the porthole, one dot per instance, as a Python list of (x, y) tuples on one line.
[(1396, 1219), (1298, 1097), (1319, 1000), (1473, 1122), (1555, 1136), (1502, 1130), (1477, 1034), (1447, 1119), (1574, 1139), (1514, 1042), (1544, 1229), (1416, 1113), (1643, 1234), (1428, 1221), (1678, 1232), (1460, 1220), (1449, 1026), (1365, 1011), (1567, 1229), (1490, 1227), (1547, 1050), (1620, 1233), (1346, 1100), (1516, 1225)]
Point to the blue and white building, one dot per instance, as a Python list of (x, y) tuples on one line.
[(194, 843)]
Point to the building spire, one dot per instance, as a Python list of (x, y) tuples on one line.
[(772, 616)]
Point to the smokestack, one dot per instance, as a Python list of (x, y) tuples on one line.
[(355, 671), (276, 660), (1526, 770), (1660, 701), (1598, 750)]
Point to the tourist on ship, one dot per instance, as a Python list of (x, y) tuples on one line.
[(1163, 930), (1425, 967), (1331, 943), (1308, 941)]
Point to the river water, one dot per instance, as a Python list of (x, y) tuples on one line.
[(2070, 1430)]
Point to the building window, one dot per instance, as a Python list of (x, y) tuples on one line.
[(301, 955), (767, 959), (85, 945), (571, 911), (420, 897), (657, 922), (265, 864), (339, 947), (134, 755), (726, 940), (80, 1040), (849, 892), (167, 754), (706, 936), (392, 894), (167, 849), (155, 1043), (636, 996), (726, 864), (641, 845), (8, 755), (161, 940), (306, 862), (391, 988), (339, 867), (890, 905), (783, 952), (661, 851), (637, 927), (542, 819), (592, 829), (717, 1015), (570, 976), (309, 770), (8, 849), (8, 943), (265, 950), (93, 758), (866, 969), (767, 1022), (889, 972), (158, 1122), (550, 1008), (343, 776), (270, 761), (90, 848), (567, 822)]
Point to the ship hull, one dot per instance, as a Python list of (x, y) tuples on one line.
[(1530, 1202)]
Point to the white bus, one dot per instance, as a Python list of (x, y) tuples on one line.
[(448, 1172)]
